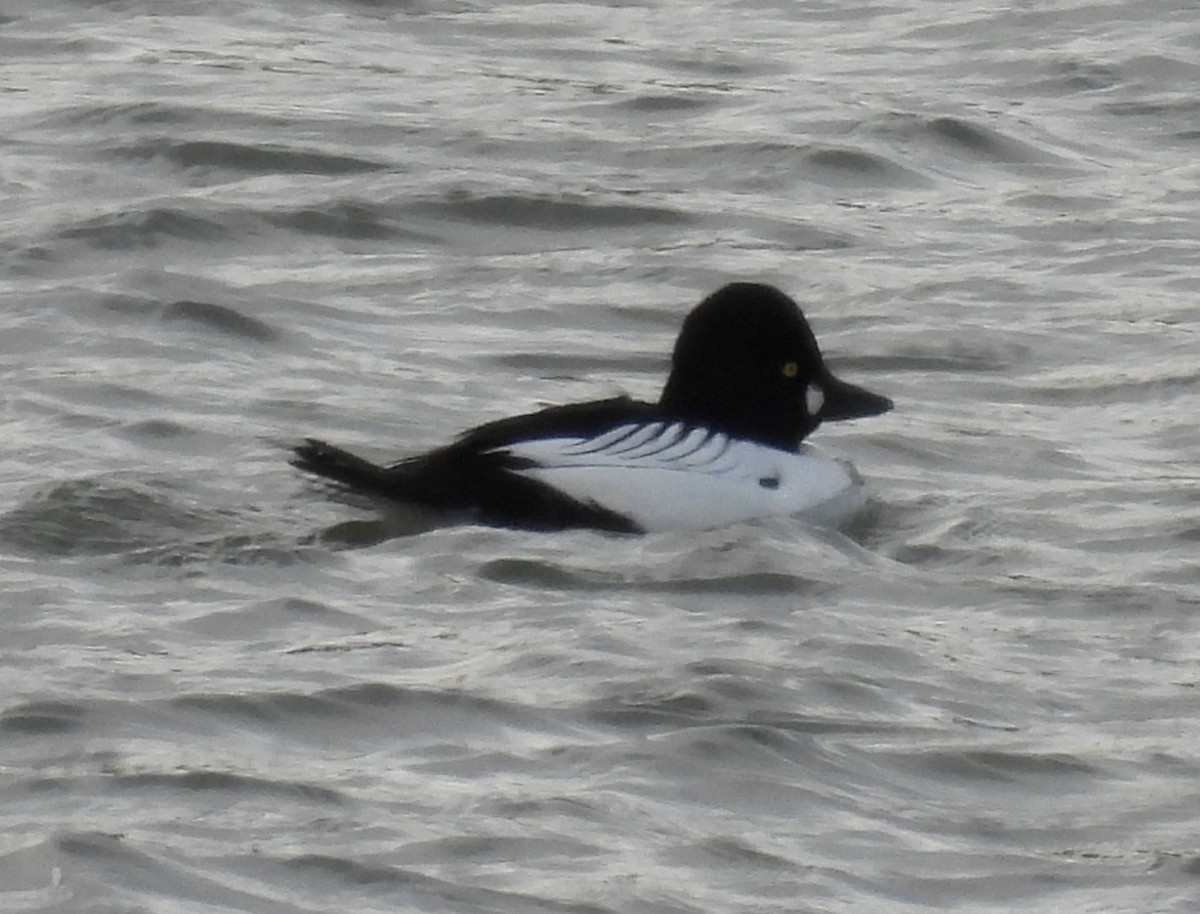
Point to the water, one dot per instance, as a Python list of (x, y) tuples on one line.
[(228, 225)]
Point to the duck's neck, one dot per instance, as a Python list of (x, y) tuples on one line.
[(722, 407)]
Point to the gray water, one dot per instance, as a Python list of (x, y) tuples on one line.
[(228, 225)]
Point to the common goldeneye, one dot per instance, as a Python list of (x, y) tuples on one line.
[(722, 444)]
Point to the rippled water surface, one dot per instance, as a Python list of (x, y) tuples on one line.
[(228, 225)]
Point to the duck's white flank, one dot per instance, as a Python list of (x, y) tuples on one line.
[(671, 477)]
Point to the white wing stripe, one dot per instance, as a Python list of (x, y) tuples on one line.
[(663, 491), (663, 441), (629, 441), (673, 443), (710, 452), (654, 444), (691, 443), (645, 440), (635, 436), (602, 442)]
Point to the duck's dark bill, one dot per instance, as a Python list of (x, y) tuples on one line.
[(849, 401)]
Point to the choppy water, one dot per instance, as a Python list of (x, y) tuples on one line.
[(227, 225)]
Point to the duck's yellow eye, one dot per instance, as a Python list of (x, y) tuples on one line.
[(790, 369)]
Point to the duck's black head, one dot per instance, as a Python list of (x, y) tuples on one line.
[(747, 363)]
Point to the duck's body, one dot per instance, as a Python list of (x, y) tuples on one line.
[(722, 445)]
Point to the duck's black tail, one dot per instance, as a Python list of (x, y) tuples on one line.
[(340, 465)]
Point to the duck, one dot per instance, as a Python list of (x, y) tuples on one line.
[(724, 444)]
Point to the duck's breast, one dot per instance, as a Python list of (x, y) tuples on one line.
[(668, 476)]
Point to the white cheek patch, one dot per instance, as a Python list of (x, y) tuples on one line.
[(814, 399)]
